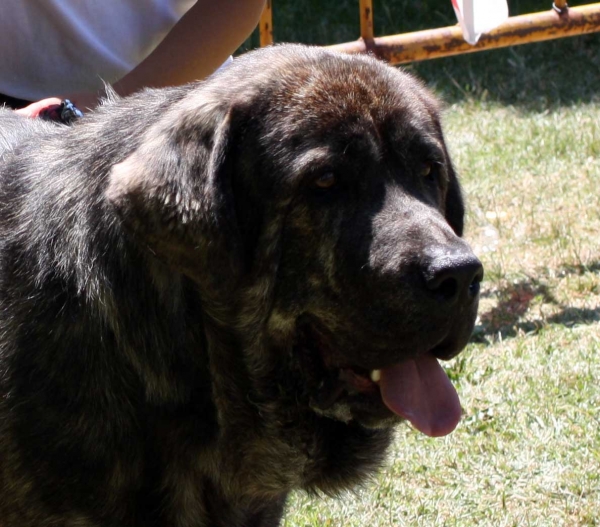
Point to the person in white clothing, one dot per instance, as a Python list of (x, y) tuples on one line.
[(59, 49)]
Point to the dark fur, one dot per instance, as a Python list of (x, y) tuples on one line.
[(168, 268)]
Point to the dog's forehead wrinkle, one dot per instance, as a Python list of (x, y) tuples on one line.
[(312, 158), (430, 144), (423, 135), (411, 141), (361, 135)]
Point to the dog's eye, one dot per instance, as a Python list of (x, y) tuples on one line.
[(426, 169), (429, 170), (325, 181)]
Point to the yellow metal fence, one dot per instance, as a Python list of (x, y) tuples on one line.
[(558, 22)]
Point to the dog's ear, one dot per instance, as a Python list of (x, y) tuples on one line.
[(455, 205), (174, 192)]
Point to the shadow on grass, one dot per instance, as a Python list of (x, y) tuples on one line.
[(515, 300)]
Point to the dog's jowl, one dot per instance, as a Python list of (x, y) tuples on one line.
[(214, 294)]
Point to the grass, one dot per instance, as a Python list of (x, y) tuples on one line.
[(523, 125)]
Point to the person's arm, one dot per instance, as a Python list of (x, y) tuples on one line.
[(197, 45), (194, 48)]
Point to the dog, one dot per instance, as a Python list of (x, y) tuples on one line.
[(214, 294)]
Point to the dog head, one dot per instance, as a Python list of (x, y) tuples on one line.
[(313, 193)]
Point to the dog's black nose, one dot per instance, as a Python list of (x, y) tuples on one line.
[(451, 277)]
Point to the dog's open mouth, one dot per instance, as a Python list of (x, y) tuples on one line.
[(416, 389)]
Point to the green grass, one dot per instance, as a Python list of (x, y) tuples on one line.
[(523, 125)]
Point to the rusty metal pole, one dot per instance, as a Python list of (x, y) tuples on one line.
[(448, 41), (366, 19), (266, 25)]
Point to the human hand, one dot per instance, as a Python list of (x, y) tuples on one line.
[(83, 101), (37, 108)]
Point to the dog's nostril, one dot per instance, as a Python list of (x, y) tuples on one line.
[(450, 277), (447, 289), (475, 285)]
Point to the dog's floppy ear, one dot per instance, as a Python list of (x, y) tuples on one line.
[(174, 193), (455, 205)]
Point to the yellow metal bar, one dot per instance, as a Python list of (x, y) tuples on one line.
[(444, 42), (366, 19), (266, 25)]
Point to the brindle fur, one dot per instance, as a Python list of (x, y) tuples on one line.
[(156, 260)]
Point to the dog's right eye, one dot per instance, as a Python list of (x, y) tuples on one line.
[(325, 181)]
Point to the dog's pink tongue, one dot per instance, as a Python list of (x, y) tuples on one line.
[(419, 390)]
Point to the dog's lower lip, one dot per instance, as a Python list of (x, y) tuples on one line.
[(444, 351), (357, 381)]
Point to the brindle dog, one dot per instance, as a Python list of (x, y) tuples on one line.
[(214, 294)]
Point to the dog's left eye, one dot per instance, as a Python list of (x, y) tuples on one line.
[(426, 169), (429, 170), (325, 181)]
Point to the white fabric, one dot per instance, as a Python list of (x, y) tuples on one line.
[(53, 47), (477, 17)]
